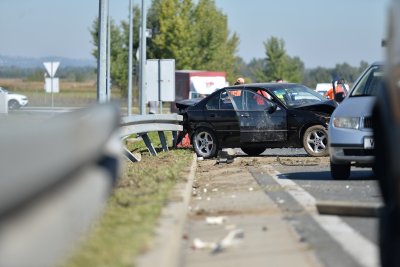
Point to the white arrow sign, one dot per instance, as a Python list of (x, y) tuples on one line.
[(51, 67)]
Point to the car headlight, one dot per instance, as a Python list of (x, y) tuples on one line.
[(347, 122)]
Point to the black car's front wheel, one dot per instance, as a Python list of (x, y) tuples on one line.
[(253, 151), (205, 143), (315, 141)]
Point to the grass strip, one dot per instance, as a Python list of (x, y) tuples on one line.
[(126, 227)]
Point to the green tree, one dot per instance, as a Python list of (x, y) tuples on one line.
[(256, 68), (279, 64), (196, 36), (317, 75), (276, 58), (214, 49), (173, 37), (117, 52), (294, 70), (326, 75)]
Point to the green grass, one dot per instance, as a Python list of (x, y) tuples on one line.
[(126, 227)]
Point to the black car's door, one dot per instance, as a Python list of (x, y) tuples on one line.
[(258, 120), (219, 112)]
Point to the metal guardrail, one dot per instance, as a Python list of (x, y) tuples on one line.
[(55, 178), (143, 124)]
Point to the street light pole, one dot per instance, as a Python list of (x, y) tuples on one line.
[(102, 53), (143, 27), (130, 61), (108, 54)]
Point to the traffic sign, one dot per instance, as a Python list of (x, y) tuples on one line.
[(51, 67)]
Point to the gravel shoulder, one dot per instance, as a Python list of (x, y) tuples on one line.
[(227, 201)]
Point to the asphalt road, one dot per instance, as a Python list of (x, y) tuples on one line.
[(307, 179)]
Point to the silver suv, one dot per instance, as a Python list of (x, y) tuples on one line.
[(351, 140)]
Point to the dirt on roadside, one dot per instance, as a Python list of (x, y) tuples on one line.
[(223, 189)]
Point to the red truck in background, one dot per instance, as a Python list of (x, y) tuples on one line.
[(190, 84)]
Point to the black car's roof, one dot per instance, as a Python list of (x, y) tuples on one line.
[(263, 85)]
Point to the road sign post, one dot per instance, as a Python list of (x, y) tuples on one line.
[(51, 84)]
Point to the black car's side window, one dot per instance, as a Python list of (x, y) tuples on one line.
[(220, 101), (225, 102), (213, 103), (250, 101)]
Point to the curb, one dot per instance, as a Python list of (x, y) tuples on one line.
[(166, 246), (344, 208)]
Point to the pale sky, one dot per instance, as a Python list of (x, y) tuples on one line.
[(320, 32)]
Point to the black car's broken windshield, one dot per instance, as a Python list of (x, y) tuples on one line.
[(293, 95)]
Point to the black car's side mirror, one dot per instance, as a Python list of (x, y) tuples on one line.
[(339, 97), (272, 108)]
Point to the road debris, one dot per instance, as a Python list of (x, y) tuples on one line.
[(216, 220), (280, 201), (198, 244), (225, 156), (233, 238)]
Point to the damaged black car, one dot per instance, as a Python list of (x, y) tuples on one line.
[(258, 116)]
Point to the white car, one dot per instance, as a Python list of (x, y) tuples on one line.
[(15, 101)]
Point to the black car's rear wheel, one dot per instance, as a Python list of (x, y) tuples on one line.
[(253, 151), (205, 143), (315, 141), (340, 171)]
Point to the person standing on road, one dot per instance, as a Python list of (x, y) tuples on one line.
[(339, 88)]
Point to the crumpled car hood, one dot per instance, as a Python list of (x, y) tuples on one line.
[(183, 104), (324, 107)]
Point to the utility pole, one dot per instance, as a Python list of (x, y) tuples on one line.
[(102, 56), (143, 60), (108, 54), (130, 61)]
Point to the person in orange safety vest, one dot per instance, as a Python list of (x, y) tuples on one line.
[(340, 88)]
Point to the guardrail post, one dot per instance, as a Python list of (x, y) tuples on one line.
[(130, 156), (174, 138), (148, 143), (143, 124), (163, 140)]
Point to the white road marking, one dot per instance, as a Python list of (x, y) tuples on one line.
[(362, 250)]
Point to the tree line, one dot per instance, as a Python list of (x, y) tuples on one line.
[(196, 35), (69, 73)]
